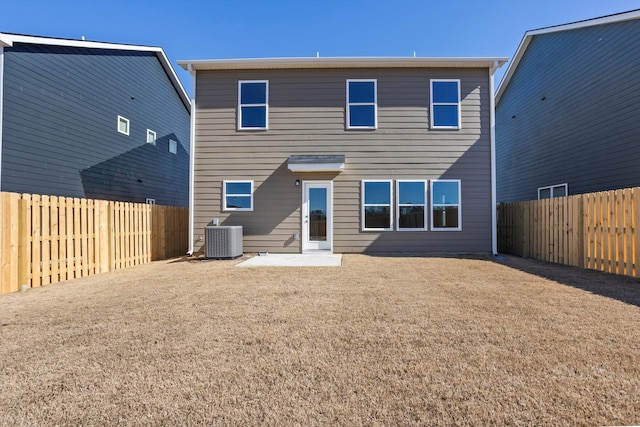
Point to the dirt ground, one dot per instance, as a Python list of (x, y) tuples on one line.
[(379, 341)]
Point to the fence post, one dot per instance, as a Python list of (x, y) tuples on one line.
[(9, 242), (23, 242), (636, 230), (4, 286), (526, 218)]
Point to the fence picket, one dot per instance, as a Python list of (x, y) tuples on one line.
[(49, 239), (597, 230)]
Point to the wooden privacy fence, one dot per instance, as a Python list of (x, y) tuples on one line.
[(47, 239), (596, 230)]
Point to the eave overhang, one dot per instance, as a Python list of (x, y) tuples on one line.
[(340, 62)]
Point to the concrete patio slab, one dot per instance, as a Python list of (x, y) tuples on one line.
[(293, 260)]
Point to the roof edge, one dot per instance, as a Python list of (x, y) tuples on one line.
[(7, 40), (526, 40), (340, 62), (592, 22)]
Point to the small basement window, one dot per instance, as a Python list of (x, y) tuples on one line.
[(123, 125), (377, 214), (173, 147), (151, 137), (151, 201), (445, 104), (553, 191), (237, 195), (446, 213), (362, 104)]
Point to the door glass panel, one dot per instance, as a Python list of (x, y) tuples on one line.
[(317, 214)]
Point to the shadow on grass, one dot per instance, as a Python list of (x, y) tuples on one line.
[(621, 288)]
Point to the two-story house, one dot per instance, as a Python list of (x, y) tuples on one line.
[(365, 155), (567, 110), (92, 120)]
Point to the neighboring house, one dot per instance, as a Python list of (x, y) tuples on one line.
[(93, 120), (365, 155), (567, 110)]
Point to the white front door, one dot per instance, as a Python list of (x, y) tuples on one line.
[(317, 216)]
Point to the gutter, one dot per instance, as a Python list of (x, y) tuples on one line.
[(192, 158), (492, 125)]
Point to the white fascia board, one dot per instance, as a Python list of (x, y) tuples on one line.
[(10, 39), (609, 19), (339, 62), (522, 47), (526, 40), (7, 40), (316, 167), (164, 61)]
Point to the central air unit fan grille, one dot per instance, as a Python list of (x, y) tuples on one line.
[(223, 241)]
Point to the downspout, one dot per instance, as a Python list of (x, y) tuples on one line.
[(192, 157), (492, 124), (1, 106)]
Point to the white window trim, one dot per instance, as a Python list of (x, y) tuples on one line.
[(425, 206), (124, 119), (224, 195), (458, 104), (362, 204), (459, 205), (266, 105), (150, 201), (552, 187), (175, 144), (151, 132), (374, 103)]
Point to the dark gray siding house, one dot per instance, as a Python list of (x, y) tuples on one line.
[(350, 155), (567, 111), (92, 120)]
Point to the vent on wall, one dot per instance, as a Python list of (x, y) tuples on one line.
[(223, 241)]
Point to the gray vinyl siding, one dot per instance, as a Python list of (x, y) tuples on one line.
[(586, 131), (60, 125), (307, 116)]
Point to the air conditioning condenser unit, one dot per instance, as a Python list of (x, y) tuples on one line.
[(223, 241)]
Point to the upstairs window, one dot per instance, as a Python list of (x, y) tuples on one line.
[(376, 205), (362, 104), (237, 195), (553, 191), (151, 137), (412, 200), (173, 147), (123, 125), (446, 214), (445, 104), (253, 104)]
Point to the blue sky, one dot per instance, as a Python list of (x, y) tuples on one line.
[(206, 29)]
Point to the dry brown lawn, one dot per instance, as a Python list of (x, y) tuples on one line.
[(380, 341)]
